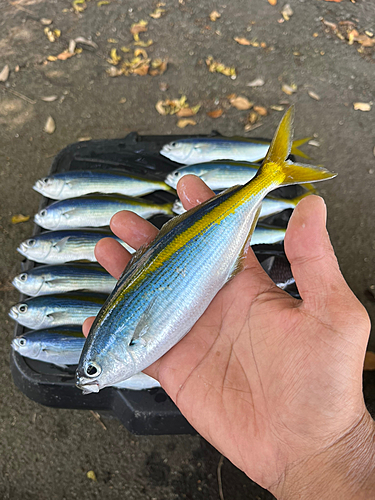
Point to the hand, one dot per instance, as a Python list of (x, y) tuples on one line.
[(272, 382)]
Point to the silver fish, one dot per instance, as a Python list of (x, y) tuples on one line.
[(72, 184), (45, 280), (95, 211), (55, 310), (59, 247)]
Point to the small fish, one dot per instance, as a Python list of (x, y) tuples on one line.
[(207, 149), (62, 346), (270, 206), (56, 310), (45, 280), (169, 284), (59, 247), (72, 184), (95, 211)]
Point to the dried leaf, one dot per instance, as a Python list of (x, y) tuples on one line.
[(51, 58), (82, 139), (160, 108), (112, 40), (125, 49), (242, 41), (258, 82), (112, 71), (140, 52), (262, 111), (139, 27), (122, 100), (249, 127), (163, 86), (81, 39), (185, 121), (272, 2), (241, 103), (216, 67), (362, 106), (364, 40), (287, 12), (91, 475), (158, 12), (253, 117), (214, 15), (369, 364), (115, 58), (276, 107), (49, 98), (313, 95), (289, 89), (141, 70), (216, 113), (45, 21), (65, 55), (184, 112), (79, 6), (4, 73), (314, 143), (50, 125), (158, 67), (141, 43), (103, 2), (16, 219), (57, 33)]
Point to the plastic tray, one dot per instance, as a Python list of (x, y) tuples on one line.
[(141, 412)]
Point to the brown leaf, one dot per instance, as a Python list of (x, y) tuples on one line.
[(139, 27), (272, 2), (160, 108), (289, 89), (253, 117), (216, 113), (141, 70), (287, 12), (215, 15), (183, 122), (313, 95), (65, 55), (184, 112), (50, 125), (241, 103), (16, 219), (4, 73), (242, 41), (158, 12), (369, 364), (262, 111), (158, 67), (217, 67), (362, 106)]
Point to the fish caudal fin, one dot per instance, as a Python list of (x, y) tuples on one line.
[(295, 148), (276, 159)]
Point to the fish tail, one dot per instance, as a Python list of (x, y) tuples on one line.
[(285, 171), (295, 148)]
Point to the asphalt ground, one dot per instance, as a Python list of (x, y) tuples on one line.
[(46, 453)]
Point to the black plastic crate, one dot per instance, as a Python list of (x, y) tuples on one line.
[(141, 412)]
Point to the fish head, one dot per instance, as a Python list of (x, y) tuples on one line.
[(26, 347), (28, 284), (49, 218), (50, 187), (28, 315), (173, 178), (35, 248), (97, 370), (178, 151)]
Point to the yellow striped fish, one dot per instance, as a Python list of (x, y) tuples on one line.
[(169, 284)]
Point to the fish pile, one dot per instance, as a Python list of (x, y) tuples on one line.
[(157, 299)]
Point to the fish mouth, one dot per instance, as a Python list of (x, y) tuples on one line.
[(171, 181), (13, 313), (86, 385), (22, 249), (39, 186)]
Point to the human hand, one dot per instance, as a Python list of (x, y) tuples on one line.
[(275, 384)]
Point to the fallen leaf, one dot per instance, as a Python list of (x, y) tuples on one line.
[(163, 86), (287, 12), (85, 41), (160, 108), (50, 125), (242, 41), (140, 52), (141, 43), (45, 21), (369, 364), (289, 89), (314, 143), (139, 27), (249, 126), (362, 106), (313, 95), (214, 15), (183, 122), (159, 66), (184, 112), (49, 98), (91, 475), (115, 58), (49, 34), (16, 219), (112, 40), (51, 58), (276, 107), (262, 111), (241, 103), (82, 139), (364, 40), (216, 67), (103, 2), (253, 117), (216, 113), (4, 73), (65, 55), (79, 6), (122, 100), (272, 2), (125, 49), (141, 70), (258, 82), (158, 12)]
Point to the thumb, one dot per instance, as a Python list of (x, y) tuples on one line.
[(310, 253)]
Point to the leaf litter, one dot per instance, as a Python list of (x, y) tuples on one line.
[(217, 67), (50, 125), (179, 107), (4, 73), (17, 219), (241, 103)]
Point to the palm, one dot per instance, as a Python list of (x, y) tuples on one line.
[(268, 380)]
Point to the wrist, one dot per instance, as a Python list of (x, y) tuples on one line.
[(344, 471)]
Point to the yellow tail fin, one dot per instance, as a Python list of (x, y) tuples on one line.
[(279, 150), (295, 148)]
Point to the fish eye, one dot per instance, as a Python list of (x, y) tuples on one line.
[(22, 342), (30, 242), (22, 308), (23, 276), (173, 144), (92, 370), (45, 180), (43, 213), (176, 174)]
